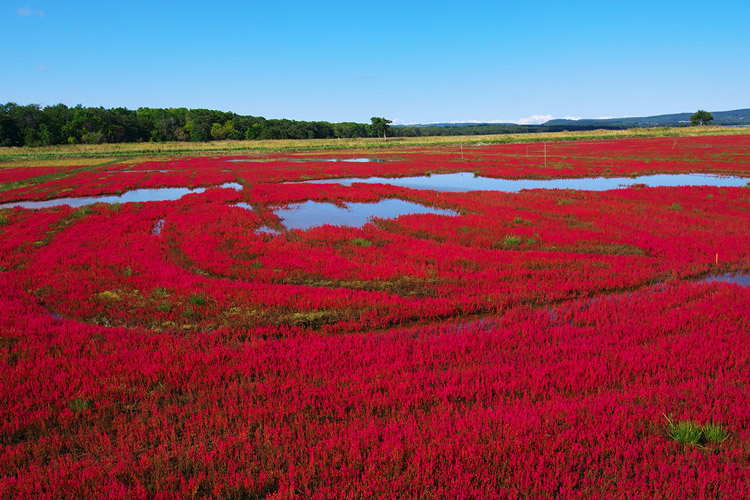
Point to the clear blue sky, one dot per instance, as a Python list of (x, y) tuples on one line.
[(414, 62)]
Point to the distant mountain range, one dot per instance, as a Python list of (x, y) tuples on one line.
[(733, 117)]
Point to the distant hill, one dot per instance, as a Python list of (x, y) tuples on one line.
[(733, 117)]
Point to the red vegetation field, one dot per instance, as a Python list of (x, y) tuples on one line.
[(537, 345)]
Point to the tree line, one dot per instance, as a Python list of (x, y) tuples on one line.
[(33, 125)]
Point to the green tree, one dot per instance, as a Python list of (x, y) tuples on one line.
[(86, 126), (254, 131), (200, 122), (349, 130), (55, 118), (10, 134), (379, 126), (701, 117)]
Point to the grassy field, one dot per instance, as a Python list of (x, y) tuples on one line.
[(86, 154)]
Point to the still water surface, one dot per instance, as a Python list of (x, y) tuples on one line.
[(137, 195), (736, 278), (467, 181), (312, 213)]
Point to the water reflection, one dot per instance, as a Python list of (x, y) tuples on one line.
[(261, 229), (158, 227), (312, 213), (137, 195), (466, 181)]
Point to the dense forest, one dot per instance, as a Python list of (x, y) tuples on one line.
[(33, 125)]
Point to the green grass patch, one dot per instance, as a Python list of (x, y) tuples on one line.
[(80, 212), (312, 319), (511, 241), (78, 405), (109, 295), (362, 242), (715, 433), (197, 299), (676, 207), (685, 432), (694, 434)]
